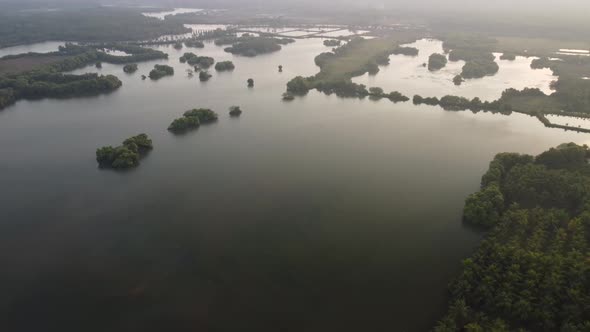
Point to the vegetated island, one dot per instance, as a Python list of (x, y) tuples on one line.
[(235, 111), (253, 46), (95, 25), (332, 42), (436, 61), (130, 68), (126, 155), (195, 60), (40, 75), (192, 119), (531, 272), (160, 71), (224, 66)]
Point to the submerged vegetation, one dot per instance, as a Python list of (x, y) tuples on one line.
[(532, 272), (126, 155)]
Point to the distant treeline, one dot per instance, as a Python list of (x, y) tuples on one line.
[(82, 25)]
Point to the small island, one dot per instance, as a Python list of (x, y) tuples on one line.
[(224, 66), (204, 76), (160, 71), (126, 155), (194, 43), (508, 56), (130, 68), (192, 119), (436, 62), (235, 111)]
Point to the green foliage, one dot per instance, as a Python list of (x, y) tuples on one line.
[(287, 96), (204, 115), (195, 60), (224, 66), (125, 156), (396, 97), (409, 51), (160, 71), (436, 61), (204, 76), (484, 207), (252, 46), (508, 56), (184, 123), (566, 156), (479, 68), (130, 68), (7, 97), (323, 58), (298, 86), (235, 111), (432, 101), (342, 88), (458, 80), (332, 42), (192, 119), (532, 271)]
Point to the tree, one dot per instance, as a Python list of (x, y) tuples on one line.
[(204, 76), (224, 66), (126, 155), (250, 83), (235, 111), (436, 61)]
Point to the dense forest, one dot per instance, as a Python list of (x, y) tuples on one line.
[(532, 272)]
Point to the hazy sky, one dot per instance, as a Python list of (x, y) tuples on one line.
[(547, 6)]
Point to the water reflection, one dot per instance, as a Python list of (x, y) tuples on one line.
[(408, 76)]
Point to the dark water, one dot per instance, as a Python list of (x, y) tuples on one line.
[(322, 214)]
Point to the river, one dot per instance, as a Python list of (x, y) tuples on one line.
[(320, 214)]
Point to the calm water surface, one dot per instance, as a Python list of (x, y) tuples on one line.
[(407, 75), (322, 214), (44, 47)]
